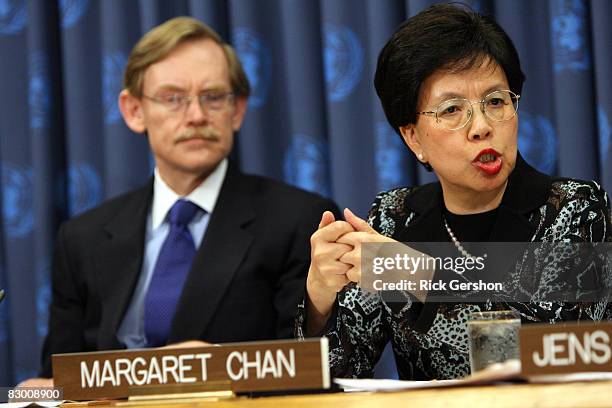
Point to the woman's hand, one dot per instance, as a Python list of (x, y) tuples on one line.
[(365, 234), (362, 233), (326, 275)]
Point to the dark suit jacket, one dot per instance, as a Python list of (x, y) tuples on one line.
[(245, 282)]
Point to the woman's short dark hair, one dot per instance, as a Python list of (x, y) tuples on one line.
[(444, 36)]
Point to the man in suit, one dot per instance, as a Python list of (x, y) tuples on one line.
[(240, 242)]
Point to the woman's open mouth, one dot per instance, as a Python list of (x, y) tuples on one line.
[(489, 161)]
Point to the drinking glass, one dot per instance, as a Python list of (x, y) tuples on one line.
[(494, 337)]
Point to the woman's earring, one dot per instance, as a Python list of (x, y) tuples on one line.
[(420, 156)]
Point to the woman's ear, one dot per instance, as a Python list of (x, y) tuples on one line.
[(412, 140), (131, 110)]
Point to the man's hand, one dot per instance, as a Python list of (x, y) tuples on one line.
[(36, 382), (188, 344)]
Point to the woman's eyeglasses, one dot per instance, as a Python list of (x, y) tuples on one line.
[(456, 113)]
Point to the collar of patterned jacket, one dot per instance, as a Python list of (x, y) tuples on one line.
[(527, 191)]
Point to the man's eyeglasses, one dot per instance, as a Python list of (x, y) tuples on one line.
[(456, 113), (177, 102)]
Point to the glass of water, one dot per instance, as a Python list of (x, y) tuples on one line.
[(494, 337)]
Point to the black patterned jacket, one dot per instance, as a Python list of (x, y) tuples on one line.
[(430, 340)]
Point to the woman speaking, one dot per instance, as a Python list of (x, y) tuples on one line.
[(449, 80)]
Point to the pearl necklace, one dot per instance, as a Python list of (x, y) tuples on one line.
[(453, 238)]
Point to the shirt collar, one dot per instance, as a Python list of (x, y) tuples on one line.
[(204, 196)]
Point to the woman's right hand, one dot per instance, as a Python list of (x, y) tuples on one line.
[(326, 275)]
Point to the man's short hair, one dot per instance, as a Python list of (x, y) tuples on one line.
[(158, 43)]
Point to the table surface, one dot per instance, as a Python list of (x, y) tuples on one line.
[(591, 394)]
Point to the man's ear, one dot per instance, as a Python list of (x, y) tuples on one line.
[(240, 107), (411, 138), (131, 110)]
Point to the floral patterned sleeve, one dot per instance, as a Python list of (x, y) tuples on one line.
[(356, 330), (583, 209), (361, 324)]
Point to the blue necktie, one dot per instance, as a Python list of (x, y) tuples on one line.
[(169, 274)]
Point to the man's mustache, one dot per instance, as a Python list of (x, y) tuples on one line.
[(198, 133)]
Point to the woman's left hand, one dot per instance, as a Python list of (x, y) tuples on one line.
[(363, 233)]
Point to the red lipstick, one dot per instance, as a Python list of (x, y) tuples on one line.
[(488, 161)]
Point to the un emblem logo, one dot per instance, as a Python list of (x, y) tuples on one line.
[(391, 158), (569, 36), (305, 164), (39, 92), (256, 60), (84, 188), (72, 11), (538, 142), (112, 81), (13, 16), (605, 133), (343, 58), (17, 203)]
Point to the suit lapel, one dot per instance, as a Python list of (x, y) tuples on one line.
[(222, 250), (427, 203), (119, 261), (511, 226), (527, 190)]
